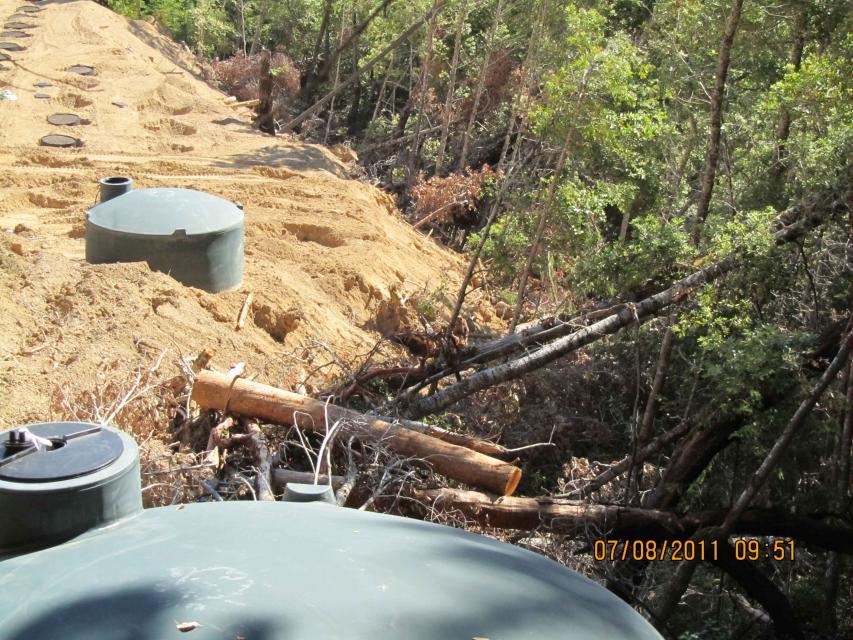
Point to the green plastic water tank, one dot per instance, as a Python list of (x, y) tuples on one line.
[(61, 479), (296, 571), (195, 237)]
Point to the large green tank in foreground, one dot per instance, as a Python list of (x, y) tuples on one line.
[(266, 571)]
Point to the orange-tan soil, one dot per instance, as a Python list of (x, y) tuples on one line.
[(322, 250)]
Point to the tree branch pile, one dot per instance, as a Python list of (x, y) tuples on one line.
[(244, 397)]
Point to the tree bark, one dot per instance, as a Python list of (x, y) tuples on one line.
[(710, 171), (667, 343), (762, 590), (219, 391), (521, 104), (475, 256), (264, 121), (653, 447), (540, 231), (783, 128), (841, 469), (644, 431), (378, 106), (797, 422), (263, 461), (566, 518), (807, 216), (262, 17), (321, 33), (337, 79), (669, 597), (353, 37), (423, 81)]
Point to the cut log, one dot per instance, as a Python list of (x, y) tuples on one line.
[(218, 391), (282, 476), (463, 440)]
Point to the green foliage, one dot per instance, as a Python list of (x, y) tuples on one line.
[(760, 354), (430, 303)]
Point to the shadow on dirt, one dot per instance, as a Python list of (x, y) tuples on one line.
[(292, 156)]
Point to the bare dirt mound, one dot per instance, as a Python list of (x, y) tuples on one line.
[(322, 251)]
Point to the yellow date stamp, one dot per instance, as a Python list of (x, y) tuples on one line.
[(751, 549)]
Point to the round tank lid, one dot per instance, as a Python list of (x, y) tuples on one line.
[(164, 211), (56, 451)]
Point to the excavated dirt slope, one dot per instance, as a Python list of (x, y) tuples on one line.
[(322, 250)]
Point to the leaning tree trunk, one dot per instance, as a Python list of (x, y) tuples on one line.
[(559, 339), (423, 82), (262, 17), (321, 34), (713, 153), (558, 348), (783, 129), (842, 484), (521, 105), (544, 212), (331, 116)]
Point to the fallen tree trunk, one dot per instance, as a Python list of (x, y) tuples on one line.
[(656, 445), (614, 521), (569, 518), (263, 460), (219, 391), (486, 447), (589, 326), (636, 313), (807, 217)]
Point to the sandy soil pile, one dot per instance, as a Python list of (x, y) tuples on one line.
[(322, 251)]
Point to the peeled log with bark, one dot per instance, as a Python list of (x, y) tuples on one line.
[(219, 391)]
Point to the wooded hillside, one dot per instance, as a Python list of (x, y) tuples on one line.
[(657, 198)]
